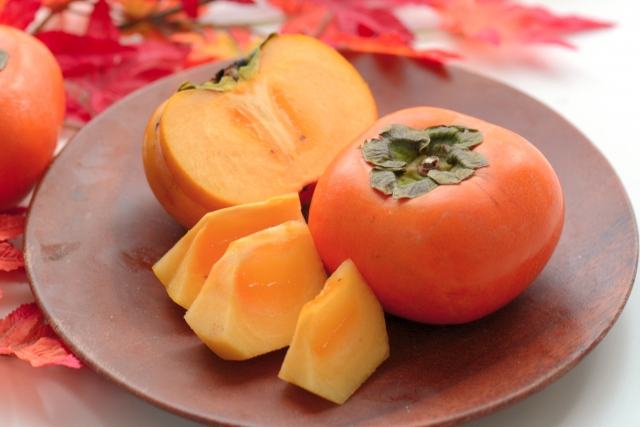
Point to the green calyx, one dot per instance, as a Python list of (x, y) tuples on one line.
[(410, 162), (227, 78), (4, 58)]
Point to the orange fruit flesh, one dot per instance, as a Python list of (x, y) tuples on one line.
[(184, 269), (271, 134), (340, 338), (173, 200), (249, 304)]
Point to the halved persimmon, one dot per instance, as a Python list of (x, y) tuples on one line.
[(267, 125)]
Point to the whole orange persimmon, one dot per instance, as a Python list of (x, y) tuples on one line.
[(445, 227), (32, 107)]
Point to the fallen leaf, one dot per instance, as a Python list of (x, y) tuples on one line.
[(19, 13), (25, 334), (57, 4), (502, 21), (15, 210), (207, 45), (245, 39), (211, 45), (100, 24), (99, 70), (356, 17), (138, 9), (191, 7), (17, 327), (391, 44), (11, 258), (48, 351), (11, 226)]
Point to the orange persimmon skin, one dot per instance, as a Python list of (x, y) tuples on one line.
[(177, 204), (32, 107), (452, 255)]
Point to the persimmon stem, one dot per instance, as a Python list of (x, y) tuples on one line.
[(428, 164), (408, 162)]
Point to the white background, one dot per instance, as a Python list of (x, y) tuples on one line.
[(594, 87)]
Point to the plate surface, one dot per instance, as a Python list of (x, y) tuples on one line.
[(95, 229)]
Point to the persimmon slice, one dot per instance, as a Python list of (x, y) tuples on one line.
[(184, 269), (271, 131), (249, 304), (340, 338)]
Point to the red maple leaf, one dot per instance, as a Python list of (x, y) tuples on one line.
[(99, 70), (358, 17), (25, 333), (10, 257), (391, 44), (100, 24), (500, 21), (357, 25), (190, 7), (19, 13), (11, 226)]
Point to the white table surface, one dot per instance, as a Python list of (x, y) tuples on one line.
[(594, 87)]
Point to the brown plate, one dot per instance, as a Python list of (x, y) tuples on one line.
[(94, 230)]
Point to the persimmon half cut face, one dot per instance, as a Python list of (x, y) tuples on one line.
[(267, 125)]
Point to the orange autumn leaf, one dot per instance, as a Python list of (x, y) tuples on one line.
[(356, 25), (391, 44), (11, 226), (57, 4), (139, 9), (245, 40), (207, 46), (500, 21), (212, 45), (16, 327), (25, 334), (302, 18), (47, 351), (357, 17)]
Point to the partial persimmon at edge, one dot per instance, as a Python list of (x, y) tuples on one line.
[(33, 107)]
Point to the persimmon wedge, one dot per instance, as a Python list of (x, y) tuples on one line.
[(249, 304), (340, 338), (268, 124), (184, 269)]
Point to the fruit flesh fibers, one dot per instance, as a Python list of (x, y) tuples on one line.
[(249, 304), (184, 269), (340, 338)]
